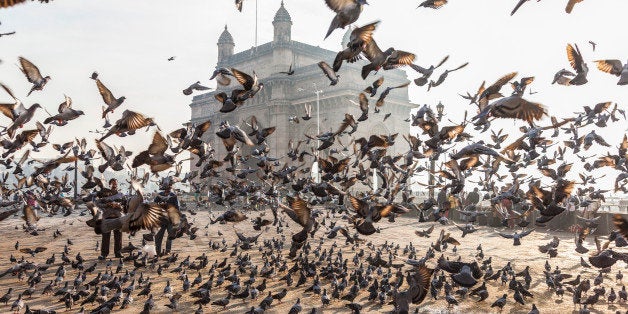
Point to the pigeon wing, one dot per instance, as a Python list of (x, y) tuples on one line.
[(106, 94), (575, 59), (246, 80), (159, 145), (30, 70), (340, 5), (610, 66), (146, 216)]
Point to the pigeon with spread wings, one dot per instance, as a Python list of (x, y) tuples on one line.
[(614, 67), (444, 238), (65, 113), (23, 118), (139, 215), (425, 233), (247, 241), (16, 111), (382, 97), (519, 88), (426, 72), (289, 72), (372, 90), (463, 274), (563, 77), (443, 76), (432, 4), (112, 102), (358, 40), (23, 138), (329, 72), (33, 75), (577, 63), (364, 107), (222, 76), (347, 12), (196, 86), (492, 92), (497, 138), (32, 252), (128, 123), (512, 107), (516, 236), (11, 110), (547, 202), (229, 134), (388, 60), (475, 149), (230, 103), (155, 156), (51, 165), (368, 213), (250, 83), (299, 212), (348, 121), (419, 279), (110, 157)]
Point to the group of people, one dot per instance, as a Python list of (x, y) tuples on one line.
[(446, 202), (469, 202), (113, 203)]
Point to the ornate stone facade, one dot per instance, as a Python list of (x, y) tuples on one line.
[(284, 96)]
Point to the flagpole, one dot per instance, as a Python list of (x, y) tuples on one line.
[(256, 9)]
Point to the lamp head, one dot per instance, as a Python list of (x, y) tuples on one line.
[(440, 108)]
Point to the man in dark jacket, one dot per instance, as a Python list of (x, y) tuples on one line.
[(473, 198), (168, 197), (112, 205), (441, 199)]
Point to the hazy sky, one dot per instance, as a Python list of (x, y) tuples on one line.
[(128, 43)]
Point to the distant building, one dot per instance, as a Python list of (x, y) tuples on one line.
[(284, 96)]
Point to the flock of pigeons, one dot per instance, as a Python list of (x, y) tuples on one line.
[(342, 203), (353, 9)]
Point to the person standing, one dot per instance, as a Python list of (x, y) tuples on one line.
[(166, 196), (112, 202), (31, 200), (453, 201), (197, 193), (441, 198), (473, 198)]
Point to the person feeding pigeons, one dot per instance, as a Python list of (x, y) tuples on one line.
[(166, 196)]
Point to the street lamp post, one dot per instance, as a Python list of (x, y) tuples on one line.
[(75, 151), (318, 109), (439, 109), (315, 169)]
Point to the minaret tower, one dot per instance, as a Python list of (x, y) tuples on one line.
[(225, 46), (283, 26)]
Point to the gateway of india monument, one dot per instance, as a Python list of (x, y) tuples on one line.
[(285, 96)]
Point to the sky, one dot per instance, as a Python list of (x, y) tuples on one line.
[(129, 42)]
